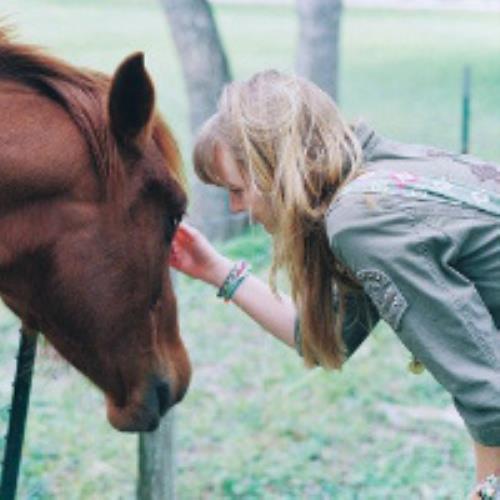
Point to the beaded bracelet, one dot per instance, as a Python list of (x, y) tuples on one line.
[(233, 280), (489, 489)]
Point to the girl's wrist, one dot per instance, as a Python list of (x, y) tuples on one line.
[(238, 273), (219, 271)]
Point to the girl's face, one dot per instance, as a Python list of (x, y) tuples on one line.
[(243, 195)]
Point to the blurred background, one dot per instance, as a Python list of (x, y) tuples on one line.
[(256, 423)]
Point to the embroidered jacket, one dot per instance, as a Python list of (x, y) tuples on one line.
[(421, 232)]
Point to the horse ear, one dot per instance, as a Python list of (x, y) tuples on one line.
[(131, 103)]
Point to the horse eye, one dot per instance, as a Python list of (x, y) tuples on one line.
[(157, 292), (171, 224)]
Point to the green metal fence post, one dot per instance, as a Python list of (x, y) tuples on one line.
[(466, 109), (18, 413)]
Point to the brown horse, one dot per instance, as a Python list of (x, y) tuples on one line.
[(91, 194)]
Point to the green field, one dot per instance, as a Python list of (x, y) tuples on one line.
[(256, 424)]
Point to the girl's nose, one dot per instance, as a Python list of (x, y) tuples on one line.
[(236, 203)]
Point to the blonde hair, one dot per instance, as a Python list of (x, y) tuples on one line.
[(290, 140)]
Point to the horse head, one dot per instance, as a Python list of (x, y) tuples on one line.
[(89, 203)]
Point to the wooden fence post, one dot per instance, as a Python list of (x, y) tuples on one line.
[(157, 462), (156, 465)]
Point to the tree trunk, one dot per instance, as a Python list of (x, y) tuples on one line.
[(206, 71), (318, 47)]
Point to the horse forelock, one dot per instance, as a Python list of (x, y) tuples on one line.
[(168, 146)]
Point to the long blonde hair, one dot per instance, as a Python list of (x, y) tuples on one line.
[(291, 142)]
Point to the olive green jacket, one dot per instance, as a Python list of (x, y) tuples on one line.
[(421, 233)]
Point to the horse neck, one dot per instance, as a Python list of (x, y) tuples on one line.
[(42, 152), (45, 171)]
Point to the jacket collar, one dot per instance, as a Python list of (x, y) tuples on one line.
[(367, 138)]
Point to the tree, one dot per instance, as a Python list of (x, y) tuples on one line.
[(206, 70), (318, 47)]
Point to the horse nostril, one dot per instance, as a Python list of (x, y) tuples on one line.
[(163, 394)]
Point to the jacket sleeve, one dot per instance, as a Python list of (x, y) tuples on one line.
[(360, 318)]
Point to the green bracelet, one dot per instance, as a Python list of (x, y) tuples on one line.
[(234, 279)]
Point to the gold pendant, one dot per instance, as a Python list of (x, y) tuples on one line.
[(416, 366)]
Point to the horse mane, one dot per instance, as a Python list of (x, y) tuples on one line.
[(83, 94)]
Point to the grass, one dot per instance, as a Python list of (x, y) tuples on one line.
[(255, 424), (371, 431)]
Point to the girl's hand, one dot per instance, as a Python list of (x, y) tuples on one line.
[(192, 254)]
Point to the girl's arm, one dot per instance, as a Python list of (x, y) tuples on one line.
[(193, 255)]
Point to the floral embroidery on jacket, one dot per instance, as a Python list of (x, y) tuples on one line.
[(418, 186), (486, 172), (387, 298), (482, 170)]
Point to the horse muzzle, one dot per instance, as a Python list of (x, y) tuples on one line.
[(143, 411)]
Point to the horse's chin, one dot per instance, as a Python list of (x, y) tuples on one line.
[(133, 417), (144, 406)]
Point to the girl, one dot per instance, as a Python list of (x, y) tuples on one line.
[(366, 228)]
